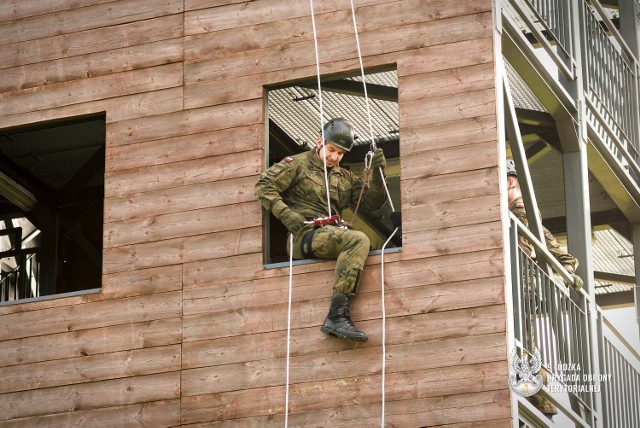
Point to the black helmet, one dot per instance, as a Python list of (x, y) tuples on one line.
[(339, 132), (511, 168)]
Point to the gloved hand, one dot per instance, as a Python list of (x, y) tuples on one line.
[(292, 220), (577, 282), (378, 161)]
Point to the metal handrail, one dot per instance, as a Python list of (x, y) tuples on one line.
[(569, 72), (611, 74), (550, 319), (23, 281), (547, 313), (541, 251), (614, 31)]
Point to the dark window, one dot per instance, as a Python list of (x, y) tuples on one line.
[(51, 207)]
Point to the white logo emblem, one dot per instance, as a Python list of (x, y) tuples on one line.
[(524, 379)]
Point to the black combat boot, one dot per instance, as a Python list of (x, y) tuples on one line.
[(338, 322)]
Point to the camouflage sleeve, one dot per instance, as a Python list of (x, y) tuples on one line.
[(569, 262), (272, 183)]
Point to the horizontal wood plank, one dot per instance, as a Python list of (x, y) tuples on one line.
[(114, 286), (453, 107), (185, 122), (338, 48), (82, 343), (175, 149), (405, 329), (181, 250), (180, 199), (446, 56), (421, 190), (90, 315), (17, 9), (468, 410), (455, 240), (444, 214), (463, 158), (357, 391), (214, 278), (424, 86), (93, 43), (369, 13), (297, 27), (115, 109), (155, 413), (320, 367), (443, 135), (91, 89), (90, 368), (183, 173), (91, 65), (85, 18), (90, 396), (189, 223), (231, 320)]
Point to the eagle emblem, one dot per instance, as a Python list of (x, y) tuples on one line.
[(524, 379)]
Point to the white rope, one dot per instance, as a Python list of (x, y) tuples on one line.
[(384, 322), (373, 147), (384, 183), (324, 158), (366, 99), (286, 398), (364, 81)]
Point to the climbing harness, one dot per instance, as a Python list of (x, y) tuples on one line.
[(334, 219)]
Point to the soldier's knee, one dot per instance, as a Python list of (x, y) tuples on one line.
[(359, 240)]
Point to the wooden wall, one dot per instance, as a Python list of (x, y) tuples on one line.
[(189, 328)]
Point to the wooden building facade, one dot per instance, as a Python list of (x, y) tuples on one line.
[(188, 327)]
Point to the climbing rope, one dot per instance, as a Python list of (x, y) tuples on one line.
[(286, 397), (367, 166), (384, 323), (321, 112)]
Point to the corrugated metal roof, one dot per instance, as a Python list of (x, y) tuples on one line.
[(612, 253), (296, 110)]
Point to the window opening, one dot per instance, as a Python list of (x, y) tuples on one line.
[(293, 127), (51, 208)]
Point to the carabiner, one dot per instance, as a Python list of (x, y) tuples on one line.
[(368, 158)]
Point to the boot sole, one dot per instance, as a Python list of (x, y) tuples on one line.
[(342, 336)]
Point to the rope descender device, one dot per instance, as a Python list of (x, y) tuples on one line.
[(368, 158)]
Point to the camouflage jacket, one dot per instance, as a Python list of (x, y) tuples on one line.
[(299, 182), (566, 260)]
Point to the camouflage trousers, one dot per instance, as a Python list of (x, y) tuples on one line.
[(350, 249)]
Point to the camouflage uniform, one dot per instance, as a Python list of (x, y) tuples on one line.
[(569, 262), (297, 183)]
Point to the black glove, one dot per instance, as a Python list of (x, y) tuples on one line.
[(292, 220), (378, 162)]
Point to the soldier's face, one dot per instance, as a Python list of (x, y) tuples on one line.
[(332, 154)]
